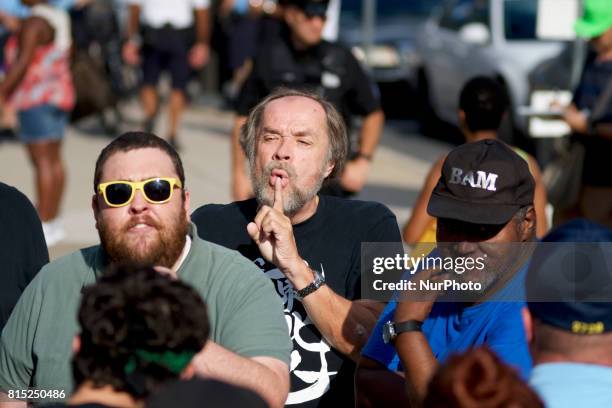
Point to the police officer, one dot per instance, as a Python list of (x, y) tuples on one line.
[(300, 58)]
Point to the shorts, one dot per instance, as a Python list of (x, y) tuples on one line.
[(242, 42), (42, 122), (166, 49)]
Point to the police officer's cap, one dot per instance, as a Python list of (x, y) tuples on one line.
[(311, 8)]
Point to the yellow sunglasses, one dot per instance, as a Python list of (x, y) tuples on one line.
[(156, 190)]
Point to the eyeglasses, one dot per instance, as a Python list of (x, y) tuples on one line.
[(156, 190), (312, 10)]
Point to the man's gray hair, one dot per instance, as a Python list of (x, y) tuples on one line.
[(336, 128), (520, 215)]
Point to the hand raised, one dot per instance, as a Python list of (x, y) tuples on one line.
[(416, 304), (273, 233)]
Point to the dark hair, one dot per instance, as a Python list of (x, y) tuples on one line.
[(484, 102), (137, 140), (139, 329), (336, 128), (478, 378)]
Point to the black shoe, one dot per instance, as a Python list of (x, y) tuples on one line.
[(148, 125), (109, 127), (7, 134), (174, 143)]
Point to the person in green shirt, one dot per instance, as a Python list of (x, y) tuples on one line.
[(141, 209), (139, 332)]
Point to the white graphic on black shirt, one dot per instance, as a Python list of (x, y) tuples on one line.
[(297, 319)]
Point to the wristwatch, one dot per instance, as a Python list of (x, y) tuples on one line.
[(136, 39), (318, 281), (358, 155), (391, 329)]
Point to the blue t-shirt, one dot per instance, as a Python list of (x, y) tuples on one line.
[(453, 328), (562, 385)]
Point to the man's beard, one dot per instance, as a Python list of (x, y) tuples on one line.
[(295, 198), (499, 267), (161, 250)]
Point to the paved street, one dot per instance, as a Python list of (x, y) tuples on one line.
[(398, 170)]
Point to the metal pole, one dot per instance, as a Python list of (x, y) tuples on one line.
[(368, 25), (579, 52)]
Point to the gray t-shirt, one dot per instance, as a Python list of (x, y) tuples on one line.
[(246, 315)]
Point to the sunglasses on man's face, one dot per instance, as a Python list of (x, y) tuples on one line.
[(310, 16), (156, 190), (315, 10)]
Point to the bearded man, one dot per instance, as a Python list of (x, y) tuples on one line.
[(309, 245), (141, 209)]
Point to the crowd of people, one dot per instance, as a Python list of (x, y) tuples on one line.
[(264, 301)]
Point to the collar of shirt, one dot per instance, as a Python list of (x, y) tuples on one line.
[(572, 384), (185, 252)]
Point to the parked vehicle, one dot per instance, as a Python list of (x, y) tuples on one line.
[(391, 57), (465, 38)]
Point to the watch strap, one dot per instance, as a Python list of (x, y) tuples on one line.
[(318, 281), (407, 326), (358, 155)]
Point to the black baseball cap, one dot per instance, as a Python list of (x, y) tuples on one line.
[(569, 280), (483, 182), (312, 8)]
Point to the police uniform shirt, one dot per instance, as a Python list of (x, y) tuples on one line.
[(328, 69)]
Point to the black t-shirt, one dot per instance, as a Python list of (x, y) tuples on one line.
[(327, 69), (330, 241), (23, 250)]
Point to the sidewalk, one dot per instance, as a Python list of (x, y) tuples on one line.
[(398, 170)]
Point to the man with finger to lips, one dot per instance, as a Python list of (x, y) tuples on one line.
[(308, 244)]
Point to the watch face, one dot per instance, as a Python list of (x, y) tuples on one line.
[(318, 277), (388, 332)]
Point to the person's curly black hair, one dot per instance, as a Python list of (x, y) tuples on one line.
[(139, 329)]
